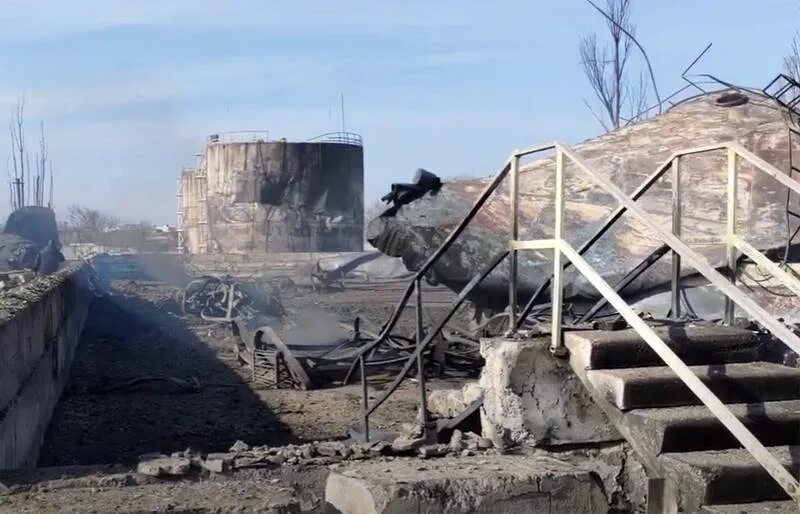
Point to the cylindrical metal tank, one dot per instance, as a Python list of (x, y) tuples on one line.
[(268, 196)]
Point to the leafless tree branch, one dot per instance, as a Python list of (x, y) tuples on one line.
[(791, 61), (606, 67)]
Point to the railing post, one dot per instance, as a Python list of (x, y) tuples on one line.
[(556, 296), (675, 289), (423, 395), (513, 186), (364, 397), (730, 232)]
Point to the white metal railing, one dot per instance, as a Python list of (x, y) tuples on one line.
[(680, 251)]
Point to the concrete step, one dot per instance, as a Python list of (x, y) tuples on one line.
[(751, 382), (784, 507), (481, 485), (695, 428), (707, 344), (727, 476)]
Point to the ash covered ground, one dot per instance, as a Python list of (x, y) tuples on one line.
[(136, 332), (121, 402)]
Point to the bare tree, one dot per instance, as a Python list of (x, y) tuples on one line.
[(791, 61), (605, 65), (24, 189), (18, 160), (90, 223)]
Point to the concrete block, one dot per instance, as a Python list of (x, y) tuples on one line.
[(529, 396), (217, 462), (491, 484)]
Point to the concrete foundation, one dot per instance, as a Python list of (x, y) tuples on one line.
[(531, 397), (496, 484), (40, 325)]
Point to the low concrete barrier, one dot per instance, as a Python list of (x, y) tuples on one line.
[(40, 325)]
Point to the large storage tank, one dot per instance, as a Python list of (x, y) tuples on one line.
[(252, 195)]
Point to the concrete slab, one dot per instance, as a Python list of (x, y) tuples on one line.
[(733, 383), (496, 484), (707, 344), (531, 397)]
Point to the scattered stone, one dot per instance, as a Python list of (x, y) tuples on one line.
[(217, 462), (410, 430), (248, 462), (358, 453), (276, 459), (485, 443), (434, 450), (307, 452), (456, 440), (330, 448), (467, 453), (345, 451), (472, 440), (406, 445), (239, 446), (380, 448), (163, 465)]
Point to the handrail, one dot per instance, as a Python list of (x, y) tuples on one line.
[(682, 251), (669, 162), (441, 250), (574, 257), (610, 221), (349, 138)]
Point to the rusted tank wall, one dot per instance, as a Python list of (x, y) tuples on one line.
[(275, 196), (193, 206), (38, 338), (626, 157)]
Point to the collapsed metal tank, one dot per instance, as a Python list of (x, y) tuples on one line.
[(250, 194), (625, 157)]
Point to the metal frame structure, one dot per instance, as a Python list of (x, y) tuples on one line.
[(347, 138), (564, 255), (680, 251)]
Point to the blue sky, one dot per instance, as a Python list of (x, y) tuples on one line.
[(130, 89)]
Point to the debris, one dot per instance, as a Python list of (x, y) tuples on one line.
[(456, 440), (331, 448), (434, 450), (239, 446), (217, 462), (163, 465), (406, 445)]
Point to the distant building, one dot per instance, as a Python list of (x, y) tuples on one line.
[(253, 195)]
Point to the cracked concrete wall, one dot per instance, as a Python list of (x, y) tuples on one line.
[(275, 196), (38, 338), (532, 398)]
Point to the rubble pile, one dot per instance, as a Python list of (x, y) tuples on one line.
[(317, 453)]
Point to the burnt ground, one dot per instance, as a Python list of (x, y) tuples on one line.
[(111, 413), (121, 401)]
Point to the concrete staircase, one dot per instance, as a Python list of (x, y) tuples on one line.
[(676, 437)]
